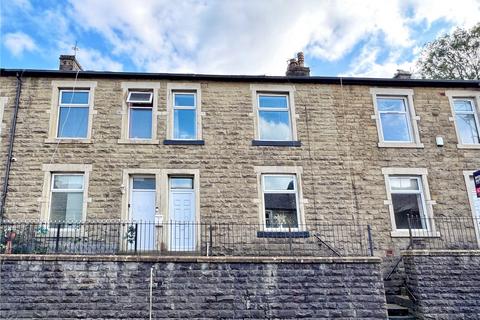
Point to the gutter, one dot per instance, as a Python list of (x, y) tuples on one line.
[(245, 78), (11, 139)]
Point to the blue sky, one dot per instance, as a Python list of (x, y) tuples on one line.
[(349, 38)]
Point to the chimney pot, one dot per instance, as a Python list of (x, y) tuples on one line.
[(301, 59), (69, 63), (296, 67), (402, 74)]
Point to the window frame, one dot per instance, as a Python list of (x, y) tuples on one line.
[(274, 89), (427, 203), (280, 171), (474, 96), (77, 86), (130, 92), (420, 191), (67, 169), (71, 105), (175, 107), (128, 87), (294, 191), (196, 88), (53, 190), (407, 116), (287, 110), (141, 106), (412, 118)]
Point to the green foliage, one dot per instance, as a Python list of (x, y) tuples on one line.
[(452, 56), (27, 239)]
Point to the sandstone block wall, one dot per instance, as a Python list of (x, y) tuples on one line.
[(341, 180)]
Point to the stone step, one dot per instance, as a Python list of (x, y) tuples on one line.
[(401, 300), (401, 318), (396, 310)]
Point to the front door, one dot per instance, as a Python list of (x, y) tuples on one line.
[(141, 233), (182, 228)]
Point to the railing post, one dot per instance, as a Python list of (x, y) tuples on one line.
[(136, 236), (370, 240), (410, 231), (210, 239), (57, 238)]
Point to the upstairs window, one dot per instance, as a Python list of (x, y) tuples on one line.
[(73, 114), (140, 105), (466, 119), (184, 115), (67, 197), (280, 200), (395, 122), (274, 120)]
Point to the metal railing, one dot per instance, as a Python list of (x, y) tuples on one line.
[(452, 233), (185, 238)]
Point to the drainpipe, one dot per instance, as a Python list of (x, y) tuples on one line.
[(11, 138)]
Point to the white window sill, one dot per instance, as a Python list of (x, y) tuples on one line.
[(468, 146), (400, 145), (415, 234), (131, 141), (55, 140)]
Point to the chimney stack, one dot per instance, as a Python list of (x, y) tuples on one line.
[(69, 63), (296, 67), (402, 74)]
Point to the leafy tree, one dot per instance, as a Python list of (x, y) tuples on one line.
[(452, 56)]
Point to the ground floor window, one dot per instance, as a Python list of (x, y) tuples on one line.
[(67, 197), (280, 200), (408, 201)]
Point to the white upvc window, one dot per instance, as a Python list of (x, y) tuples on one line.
[(408, 196), (395, 117), (280, 201), (140, 115), (465, 106), (408, 202), (395, 122), (466, 121), (66, 199), (140, 97), (73, 114), (274, 117), (184, 115)]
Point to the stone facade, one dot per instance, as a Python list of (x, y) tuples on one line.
[(341, 162), (107, 288), (446, 284)]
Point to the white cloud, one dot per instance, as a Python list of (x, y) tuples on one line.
[(258, 36), (19, 42), (367, 65), (248, 36)]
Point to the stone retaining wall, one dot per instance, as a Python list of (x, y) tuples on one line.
[(446, 284), (112, 287)]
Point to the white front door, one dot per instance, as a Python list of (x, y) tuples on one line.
[(475, 203), (182, 228), (141, 231)]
